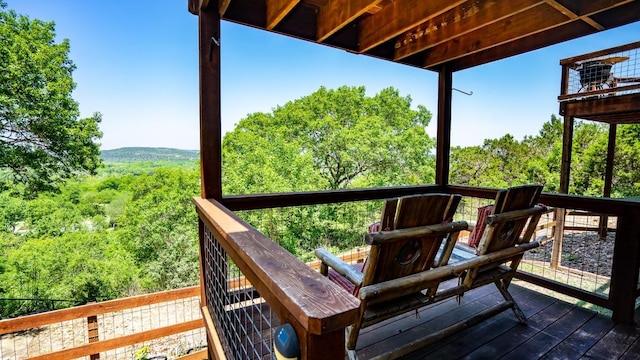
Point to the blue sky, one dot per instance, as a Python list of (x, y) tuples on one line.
[(137, 64)]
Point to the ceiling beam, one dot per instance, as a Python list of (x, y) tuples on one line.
[(336, 14), (572, 15), (222, 6), (526, 23), (397, 18), (277, 10), (456, 22)]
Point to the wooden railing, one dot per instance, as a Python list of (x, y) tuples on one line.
[(317, 309), (88, 330), (604, 73), (298, 295)]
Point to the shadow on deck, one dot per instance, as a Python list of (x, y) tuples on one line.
[(555, 330)]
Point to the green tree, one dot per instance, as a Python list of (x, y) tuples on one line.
[(42, 139), (158, 227), (627, 167), (332, 139)]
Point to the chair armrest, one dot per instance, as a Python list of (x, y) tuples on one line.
[(471, 225), (341, 267)]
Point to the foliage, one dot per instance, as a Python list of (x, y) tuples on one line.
[(331, 139), (42, 139), (99, 238), (132, 228)]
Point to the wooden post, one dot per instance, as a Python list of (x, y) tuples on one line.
[(92, 331), (608, 177), (556, 251), (626, 262), (210, 112), (210, 115), (443, 147), (567, 145), (565, 174)]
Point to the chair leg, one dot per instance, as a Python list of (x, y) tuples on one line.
[(351, 334), (502, 287)]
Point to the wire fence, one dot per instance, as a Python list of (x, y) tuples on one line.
[(581, 258), (607, 73), (162, 325)]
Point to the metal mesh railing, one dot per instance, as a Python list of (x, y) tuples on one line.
[(614, 73), (158, 328), (584, 261), (243, 321)]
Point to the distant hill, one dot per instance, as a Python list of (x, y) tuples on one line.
[(135, 154)]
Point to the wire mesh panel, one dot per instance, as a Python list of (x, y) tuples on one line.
[(582, 257), (339, 227), (614, 73), (244, 322), (164, 329)]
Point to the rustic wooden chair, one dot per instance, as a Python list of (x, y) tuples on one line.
[(429, 217), (403, 270)]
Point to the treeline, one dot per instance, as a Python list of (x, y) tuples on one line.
[(132, 227)]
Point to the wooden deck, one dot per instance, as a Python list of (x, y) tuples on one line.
[(555, 330)]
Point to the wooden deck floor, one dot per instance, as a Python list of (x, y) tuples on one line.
[(555, 330)]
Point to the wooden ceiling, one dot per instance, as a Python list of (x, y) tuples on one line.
[(430, 33)]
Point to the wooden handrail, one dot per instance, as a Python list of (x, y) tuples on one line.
[(116, 343), (599, 53), (78, 312), (264, 201), (318, 309)]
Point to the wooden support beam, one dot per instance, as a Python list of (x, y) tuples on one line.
[(210, 110), (514, 28), (443, 145), (399, 17), (626, 262), (277, 10), (222, 7), (456, 22), (567, 146), (336, 14), (611, 150), (531, 21)]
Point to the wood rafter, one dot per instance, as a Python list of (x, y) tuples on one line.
[(525, 23), (457, 22), (338, 13), (222, 6), (571, 15), (277, 10), (428, 33), (397, 18)]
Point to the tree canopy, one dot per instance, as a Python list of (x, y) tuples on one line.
[(43, 140), (331, 139)]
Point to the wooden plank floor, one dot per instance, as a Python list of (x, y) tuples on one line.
[(555, 330)]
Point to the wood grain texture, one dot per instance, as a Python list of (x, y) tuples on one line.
[(288, 285), (399, 17), (457, 22), (338, 13), (277, 10), (524, 23)]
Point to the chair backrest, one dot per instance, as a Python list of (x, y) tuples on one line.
[(500, 235), (398, 258)]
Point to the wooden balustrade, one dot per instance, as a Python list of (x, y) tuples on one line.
[(318, 310), (626, 260), (94, 346)]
